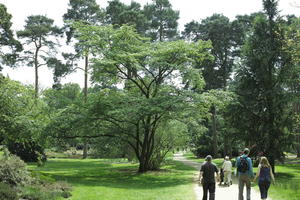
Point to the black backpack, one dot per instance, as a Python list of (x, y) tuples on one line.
[(243, 165)]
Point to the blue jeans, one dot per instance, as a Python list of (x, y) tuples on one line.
[(263, 188), (211, 187)]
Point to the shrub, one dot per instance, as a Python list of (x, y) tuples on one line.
[(13, 170), (7, 192), (49, 191), (29, 151)]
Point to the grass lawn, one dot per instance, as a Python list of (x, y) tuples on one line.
[(94, 179), (287, 178)]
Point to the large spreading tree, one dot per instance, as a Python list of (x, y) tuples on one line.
[(151, 96)]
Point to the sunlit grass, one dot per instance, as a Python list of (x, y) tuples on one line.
[(94, 179)]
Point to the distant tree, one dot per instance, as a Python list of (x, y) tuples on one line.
[(7, 40), (226, 42), (262, 85), (87, 12), (118, 14), (162, 20), (39, 34)]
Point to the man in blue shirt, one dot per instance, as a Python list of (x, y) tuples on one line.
[(245, 173)]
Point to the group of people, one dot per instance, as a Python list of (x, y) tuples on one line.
[(209, 173)]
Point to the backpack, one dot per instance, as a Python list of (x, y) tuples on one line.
[(243, 165)]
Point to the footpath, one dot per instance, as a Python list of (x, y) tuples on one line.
[(222, 192)]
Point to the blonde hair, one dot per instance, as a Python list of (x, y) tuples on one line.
[(264, 162)]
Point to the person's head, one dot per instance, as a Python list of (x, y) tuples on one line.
[(264, 162), (226, 158), (246, 151), (208, 158)]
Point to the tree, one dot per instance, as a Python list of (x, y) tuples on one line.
[(292, 47), (7, 39), (87, 12), (21, 120), (162, 20), (38, 34), (118, 14), (151, 97), (261, 88), (226, 42)]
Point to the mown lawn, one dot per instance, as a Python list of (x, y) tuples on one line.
[(287, 177), (94, 179)]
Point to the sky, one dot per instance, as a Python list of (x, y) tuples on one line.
[(189, 10)]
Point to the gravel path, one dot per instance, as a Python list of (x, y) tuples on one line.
[(222, 193)]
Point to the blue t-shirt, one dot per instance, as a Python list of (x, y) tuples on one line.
[(250, 168)]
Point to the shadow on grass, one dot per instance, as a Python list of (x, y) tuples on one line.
[(94, 173)]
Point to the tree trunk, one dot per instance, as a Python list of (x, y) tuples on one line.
[(298, 146), (36, 67), (85, 91), (214, 132), (226, 145)]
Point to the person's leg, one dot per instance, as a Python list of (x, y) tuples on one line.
[(267, 186), (212, 190), (205, 189), (261, 189), (241, 187), (248, 186), (229, 177)]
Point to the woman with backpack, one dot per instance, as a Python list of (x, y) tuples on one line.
[(265, 174)]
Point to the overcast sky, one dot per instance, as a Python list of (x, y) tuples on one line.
[(189, 10)]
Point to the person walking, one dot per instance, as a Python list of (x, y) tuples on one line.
[(227, 166), (207, 178), (245, 173), (265, 174)]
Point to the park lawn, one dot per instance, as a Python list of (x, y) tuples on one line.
[(287, 177), (94, 179)]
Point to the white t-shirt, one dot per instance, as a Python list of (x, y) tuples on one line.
[(227, 165)]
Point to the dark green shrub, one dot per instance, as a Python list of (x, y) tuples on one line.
[(29, 151), (7, 192), (13, 170)]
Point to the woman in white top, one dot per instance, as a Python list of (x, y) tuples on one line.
[(227, 166)]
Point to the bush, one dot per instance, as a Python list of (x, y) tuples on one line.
[(13, 170), (7, 192), (46, 191), (29, 151)]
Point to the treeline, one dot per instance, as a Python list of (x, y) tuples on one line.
[(216, 87)]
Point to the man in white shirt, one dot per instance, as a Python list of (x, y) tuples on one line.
[(227, 166)]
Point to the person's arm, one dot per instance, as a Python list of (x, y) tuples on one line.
[(272, 175), (200, 175), (250, 167), (257, 174)]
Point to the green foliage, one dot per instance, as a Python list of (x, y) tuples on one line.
[(7, 55), (28, 151), (37, 33), (261, 88), (13, 170), (7, 192), (118, 14), (148, 71), (162, 20)]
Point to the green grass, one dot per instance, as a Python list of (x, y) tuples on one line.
[(94, 179), (287, 178)]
